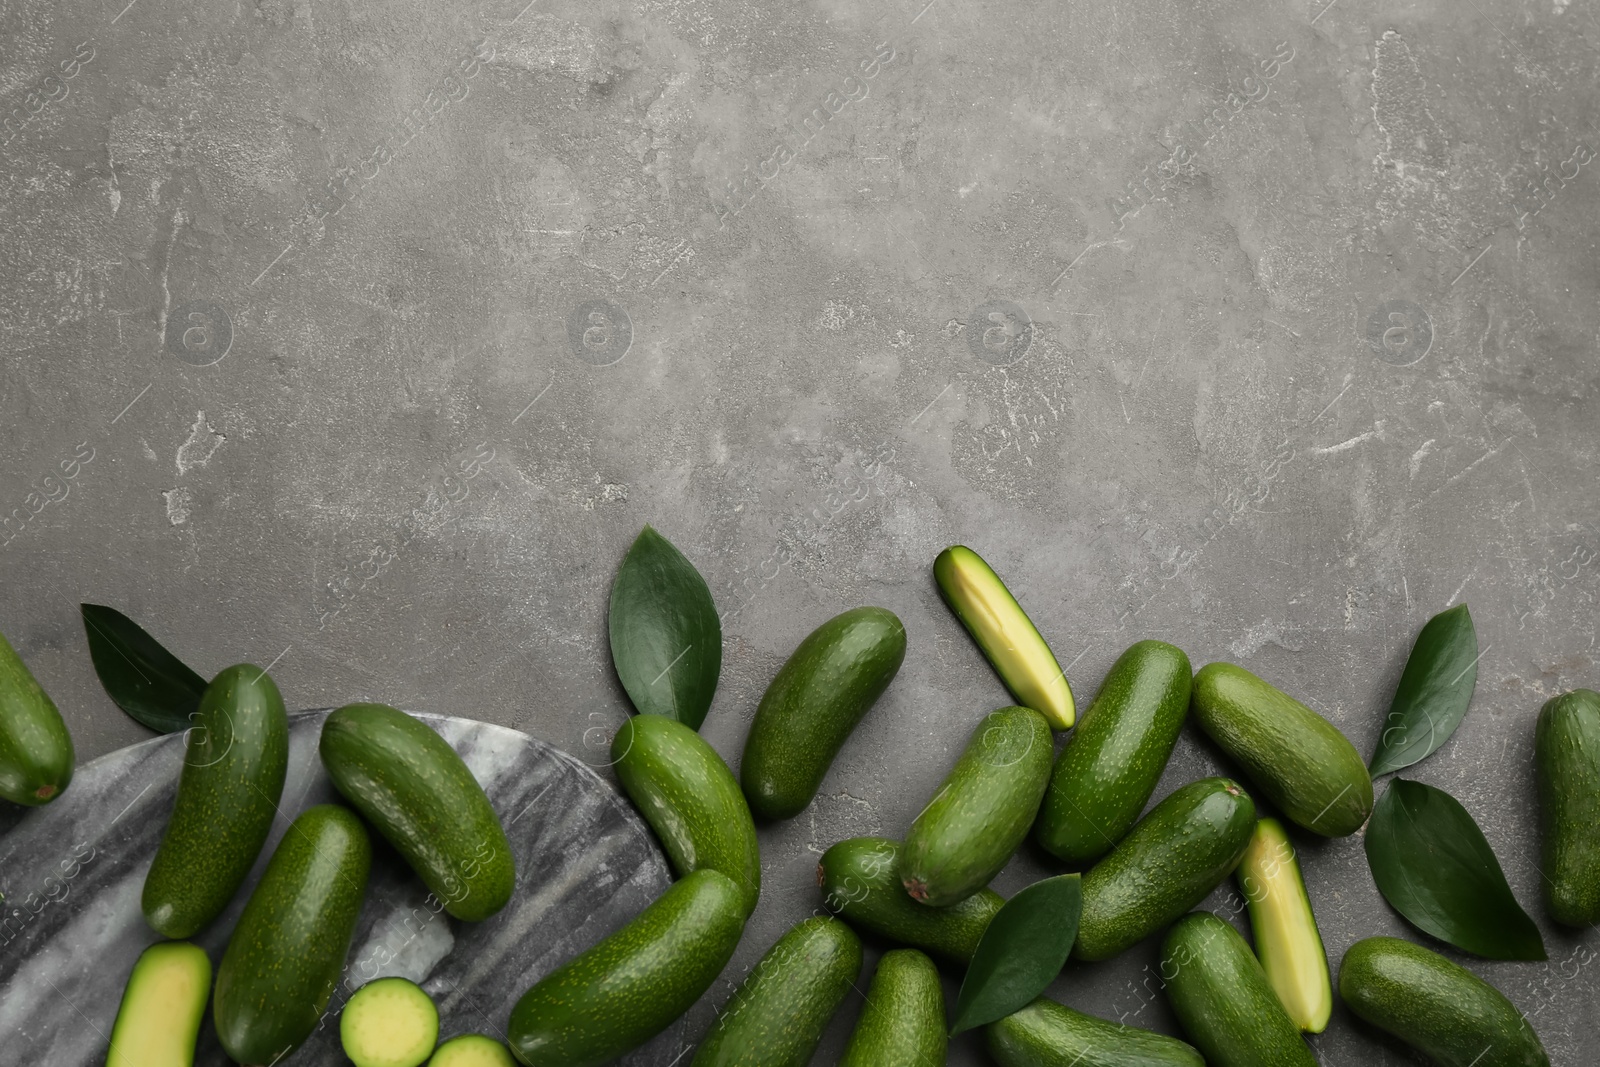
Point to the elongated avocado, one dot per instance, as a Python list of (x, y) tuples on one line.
[(284, 957), (409, 783), (1439, 1008), (778, 1014), (983, 810), (1006, 635), (234, 763), (814, 702), (162, 1008), (1113, 760), (690, 799), (1287, 940), (1299, 760), (630, 986), (390, 1022), (36, 757), (902, 1018), (1169, 861), (858, 882), (1221, 996), (1566, 757), (1048, 1034)]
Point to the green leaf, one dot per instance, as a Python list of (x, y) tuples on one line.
[(1433, 693), (149, 683), (666, 639), (1021, 951), (1434, 867)]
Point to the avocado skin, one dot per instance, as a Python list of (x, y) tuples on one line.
[(1167, 864), (778, 1014), (1113, 760), (815, 701), (635, 983), (1048, 1034), (234, 765), (983, 810), (858, 882), (1436, 1006), (285, 956), (415, 790), (690, 799), (1223, 999), (1566, 760), (902, 1022), (1299, 760), (36, 755), (1007, 637)]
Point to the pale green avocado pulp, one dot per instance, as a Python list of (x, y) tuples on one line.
[(389, 1023), (472, 1050)]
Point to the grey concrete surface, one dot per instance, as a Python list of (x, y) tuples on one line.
[(360, 341)]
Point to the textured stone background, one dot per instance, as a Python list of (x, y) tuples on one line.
[(303, 365)]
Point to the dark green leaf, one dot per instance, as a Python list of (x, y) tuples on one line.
[(1021, 952), (1433, 693), (666, 639), (146, 681), (1432, 864)]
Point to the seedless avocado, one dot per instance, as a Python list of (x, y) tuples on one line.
[(1566, 758), (1169, 861), (858, 882), (1006, 635), (1286, 936), (1048, 1034), (1299, 760), (409, 783), (285, 955), (1113, 760), (234, 763), (389, 1022), (630, 986), (690, 799), (814, 702), (1439, 1008), (162, 1007), (1221, 996), (902, 1018), (36, 757), (472, 1050), (983, 810), (778, 1014)]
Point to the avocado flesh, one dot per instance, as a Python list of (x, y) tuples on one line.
[(1285, 930)]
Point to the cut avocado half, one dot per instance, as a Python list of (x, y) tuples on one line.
[(389, 1023), (472, 1050), (162, 1007), (1285, 930)]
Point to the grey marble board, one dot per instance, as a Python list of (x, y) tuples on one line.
[(72, 872)]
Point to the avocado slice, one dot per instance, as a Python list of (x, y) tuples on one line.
[(1005, 634), (162, 1007), (1285, 930)]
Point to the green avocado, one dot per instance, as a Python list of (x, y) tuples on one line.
[(1167, 864), (1047, 1034), (1006, 635), (409, 783), (1113, 760), (1566, 759), (1299, 760), (902, 1019), (1223, 999), (1286, 935), (1439, 1008), (614, 997), (36, 758), (285, 956), (813, 704), (858, 882), (778, 1014), (690, 799), (234, 764), (983, 810), (163, 1006)]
